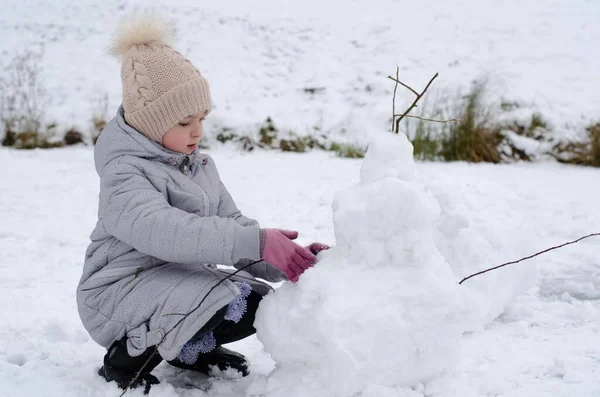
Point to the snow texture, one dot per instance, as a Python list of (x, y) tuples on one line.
[(316, 66), (543, 344)]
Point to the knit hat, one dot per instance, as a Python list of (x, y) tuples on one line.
[(160, 86)]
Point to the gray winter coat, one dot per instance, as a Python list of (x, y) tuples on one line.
[(163, 226)]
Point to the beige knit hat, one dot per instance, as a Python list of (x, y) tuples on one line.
[(160, 86)]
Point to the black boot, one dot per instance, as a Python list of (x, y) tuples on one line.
[(120, 367), (220, 358)]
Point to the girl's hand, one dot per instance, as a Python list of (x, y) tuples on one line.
[(286, 255), (315, 248)]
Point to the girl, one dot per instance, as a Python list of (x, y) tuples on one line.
[(150, 289)]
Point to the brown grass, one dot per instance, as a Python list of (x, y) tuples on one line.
[(475, 138), (581, 153)]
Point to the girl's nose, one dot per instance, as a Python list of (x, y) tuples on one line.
[(197, 131)]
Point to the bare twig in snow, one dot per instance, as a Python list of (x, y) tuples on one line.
[(529, 257)]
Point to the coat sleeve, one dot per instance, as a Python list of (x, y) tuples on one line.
[(228, 209), (133, 210), (262, 269)]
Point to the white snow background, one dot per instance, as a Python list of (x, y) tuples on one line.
[(259, 57), (506, 333)]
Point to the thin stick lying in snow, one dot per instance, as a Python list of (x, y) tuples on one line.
[(529, 257), (414, 104)]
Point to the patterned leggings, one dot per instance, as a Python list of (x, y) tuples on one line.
[(231, 323)]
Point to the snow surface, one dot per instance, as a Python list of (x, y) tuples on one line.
[(259, 57), (544, 343)]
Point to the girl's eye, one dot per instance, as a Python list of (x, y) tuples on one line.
[(186, 124)]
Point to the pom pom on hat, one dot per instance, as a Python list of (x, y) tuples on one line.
[(142, 27), (160, 86)]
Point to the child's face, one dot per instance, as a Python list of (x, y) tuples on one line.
[(183, 137)]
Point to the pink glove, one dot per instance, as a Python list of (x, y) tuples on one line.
[(286, 255), (315, 248)]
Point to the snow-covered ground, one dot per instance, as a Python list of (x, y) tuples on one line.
[(544, 344), (260, 56)]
